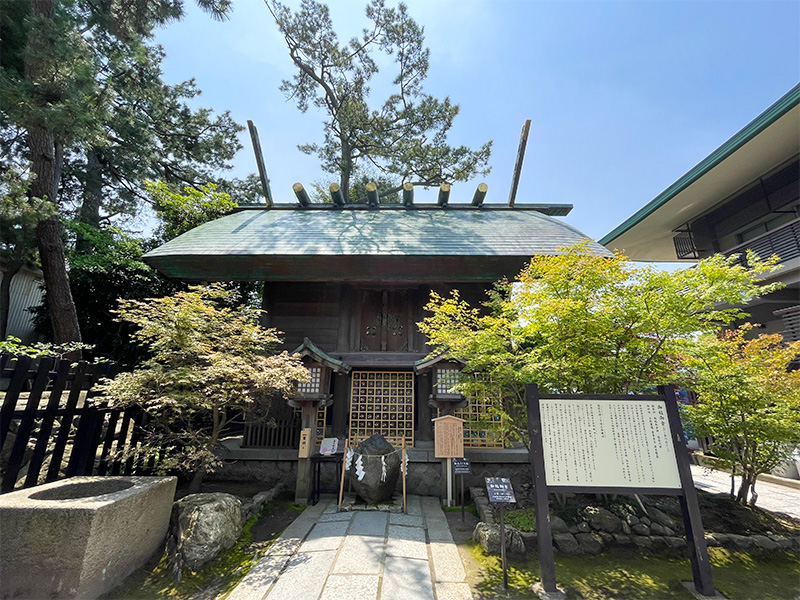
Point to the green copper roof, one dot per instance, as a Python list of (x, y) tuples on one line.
[(387, 244), (786, 103)]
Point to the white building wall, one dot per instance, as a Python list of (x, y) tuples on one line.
[(26, 292)]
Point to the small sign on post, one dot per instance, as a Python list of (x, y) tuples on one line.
[(501, 492), (448, 437), (462, 467), (448, 432)]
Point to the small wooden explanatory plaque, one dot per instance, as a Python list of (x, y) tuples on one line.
[(449, 437)]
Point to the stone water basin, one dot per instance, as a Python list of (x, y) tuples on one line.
[(80, 537)]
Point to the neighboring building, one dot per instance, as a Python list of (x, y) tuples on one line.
[(347, 285), (26, 293), (744, 195)]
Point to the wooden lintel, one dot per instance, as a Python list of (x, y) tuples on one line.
[(336, 195), (480, 194), (523, 143), (372, 194), (444, 194), (408, 193), (262, 169), (302, 195)]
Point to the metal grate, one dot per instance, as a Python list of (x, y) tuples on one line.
[(783, 241), (791, 323), (382, 402), (684, 245)]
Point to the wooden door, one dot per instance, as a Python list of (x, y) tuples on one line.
[(384, 321)]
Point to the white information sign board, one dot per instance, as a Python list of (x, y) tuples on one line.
[(608, 443)]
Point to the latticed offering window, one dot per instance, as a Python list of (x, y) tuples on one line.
[(476, 414), (322, 418), (382, 402), (312, 386), (321, 424), (446, 378)]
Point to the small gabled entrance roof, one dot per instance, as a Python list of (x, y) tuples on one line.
[(310, 349)]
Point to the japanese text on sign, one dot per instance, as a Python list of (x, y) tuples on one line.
[(461, 466), (448, 435), (608, 443), (499, 489)]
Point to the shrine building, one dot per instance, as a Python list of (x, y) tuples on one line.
[(346, 285)]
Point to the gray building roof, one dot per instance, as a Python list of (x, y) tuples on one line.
[(327, 244)]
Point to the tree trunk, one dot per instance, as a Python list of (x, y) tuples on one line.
[(748, 482), (47, 158), (89, 213), (346, 170), (63, 315)]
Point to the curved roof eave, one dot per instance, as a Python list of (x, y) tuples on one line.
[(763, 122)]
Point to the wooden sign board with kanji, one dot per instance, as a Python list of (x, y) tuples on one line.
[(448, 435), (613, 444)]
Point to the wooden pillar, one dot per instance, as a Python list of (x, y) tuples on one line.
[(424, 416), (341, 398), (302, 490), (265, 319)]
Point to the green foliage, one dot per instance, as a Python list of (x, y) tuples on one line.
[(636, 575), (523, 519), (18, 217), (110, 269), (358, 187), (747, 400), (405, 136), (210, 360), (179, 213), (82, 100), (582, 323), (14, 345)]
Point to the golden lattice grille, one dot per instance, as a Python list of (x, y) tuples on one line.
[(382, 402), (320, 424), (475, 413)]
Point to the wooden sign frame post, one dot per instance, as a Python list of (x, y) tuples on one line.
[(500, 491), (344, 470), (448, 444), (677, 475), (462, 467), (404, 466)]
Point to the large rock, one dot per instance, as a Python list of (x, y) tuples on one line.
[(590, 543), (662, 519), (375, 469), (202, 526), (602, 519), (566, 543), (558, 525), (488, 536)]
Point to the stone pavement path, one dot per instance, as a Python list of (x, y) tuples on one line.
[(771, 496), (361, 555)]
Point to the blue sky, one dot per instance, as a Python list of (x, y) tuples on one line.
[(624, 97)]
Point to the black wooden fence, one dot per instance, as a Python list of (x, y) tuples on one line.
[(48, 431), (281, 428)]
